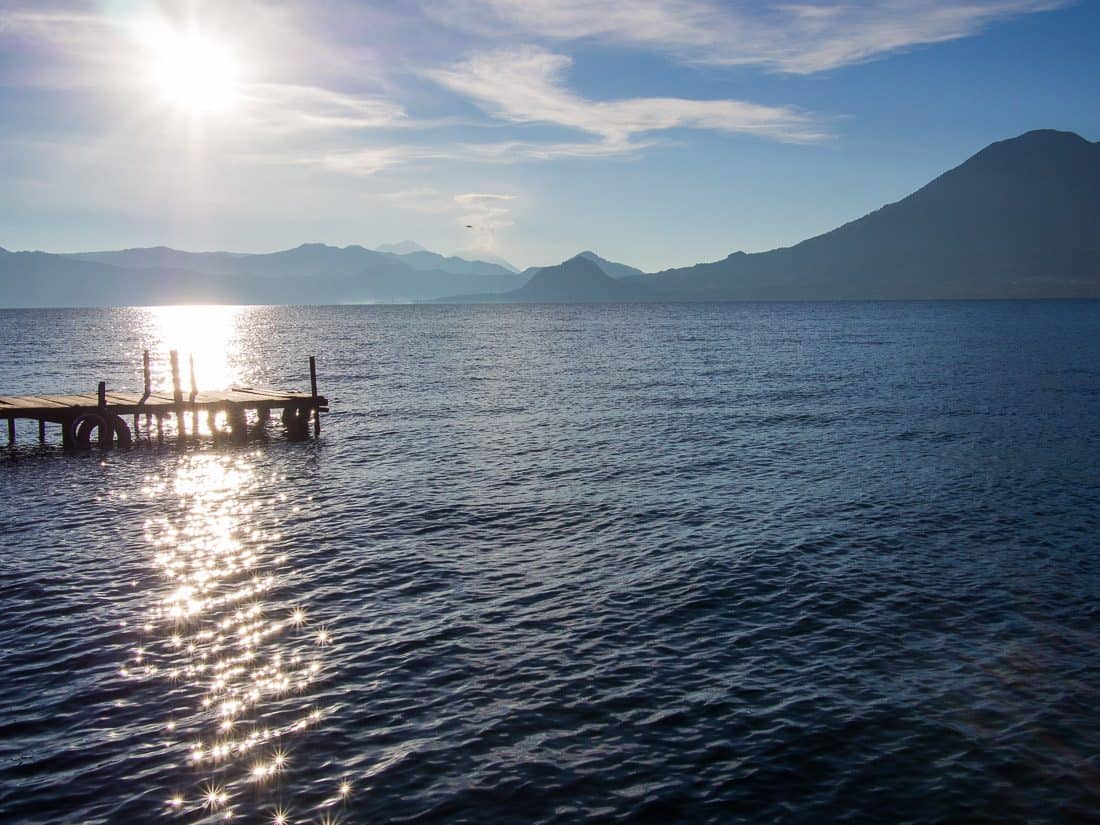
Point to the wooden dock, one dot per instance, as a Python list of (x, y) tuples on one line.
[(235, 413)]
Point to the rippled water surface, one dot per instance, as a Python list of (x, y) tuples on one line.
[(741, 562)]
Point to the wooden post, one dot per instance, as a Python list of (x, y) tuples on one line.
[(313, 390), (147, 373), (177, 393), (68, 432), (11, 430), (194, 386), (105, 431), (191, 398), (41, 430), (160, 429)]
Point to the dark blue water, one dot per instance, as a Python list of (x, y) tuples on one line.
[(700, 563)]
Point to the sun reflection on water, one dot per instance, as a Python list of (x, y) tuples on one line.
[(208, 334), (237, 663)]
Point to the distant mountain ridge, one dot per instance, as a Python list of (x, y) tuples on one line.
[(482, 255), (610, 268), (309, 273), (579, 279), (1019, 219)]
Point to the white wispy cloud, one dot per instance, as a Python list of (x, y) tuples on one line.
[(527, 85), (793, 37), (286, 106), (360, 162)]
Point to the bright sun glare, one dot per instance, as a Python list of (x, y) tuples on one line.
[(191, 71)]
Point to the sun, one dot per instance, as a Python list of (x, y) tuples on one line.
[(192, 72)]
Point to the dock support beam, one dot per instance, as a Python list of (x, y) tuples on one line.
[(145, 396), (41, 430), (105, 433), (177, 394), (313, 392), (11, 430)]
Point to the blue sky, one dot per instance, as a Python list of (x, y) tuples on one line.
[(656, 132)]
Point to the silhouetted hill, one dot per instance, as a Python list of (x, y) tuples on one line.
[(575, 280), (1019, 219), (612, 268), (578, 280)]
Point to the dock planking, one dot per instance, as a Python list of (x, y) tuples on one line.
[(226, 412)]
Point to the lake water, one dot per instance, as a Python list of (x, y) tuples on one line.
[(700, 563)]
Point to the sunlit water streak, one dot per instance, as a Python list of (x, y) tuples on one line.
[(756, 563), (240, 665), (206, 336)]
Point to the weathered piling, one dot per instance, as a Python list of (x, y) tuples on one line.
[(313, 393), (148, 390), (103, 428), (177, 393)]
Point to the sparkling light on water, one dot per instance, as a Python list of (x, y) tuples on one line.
[(239, 662)]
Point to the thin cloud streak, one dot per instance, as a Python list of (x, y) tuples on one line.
[(795, 38), (527, 85), (291, 106)]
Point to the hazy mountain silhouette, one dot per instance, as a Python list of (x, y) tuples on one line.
[(425, 260), (310, 273), (612, 268), (155, 257), (401, 248), (307, 259), (577, 280), (42, 279), (1021, 218), (615, 270), (482, 255)]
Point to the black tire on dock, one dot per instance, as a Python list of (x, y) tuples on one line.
[(83, 427), (123, 438), (112, 429)]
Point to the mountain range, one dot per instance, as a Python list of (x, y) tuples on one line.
[(1020, 219), (310, 273)]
